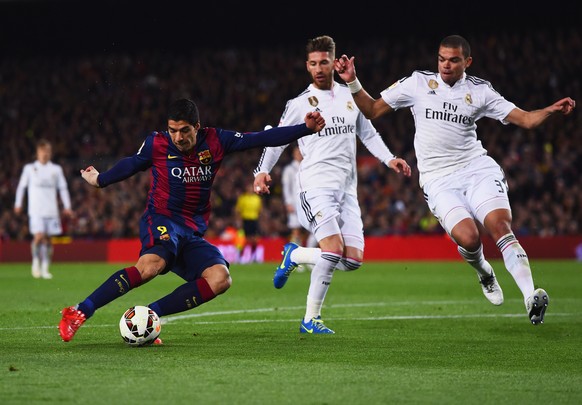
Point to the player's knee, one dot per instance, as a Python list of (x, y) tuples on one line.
[(332, 243), (498, 223), (349, 264), (149, 272), (218, 278), (470, 245), (499, 229), (223, 285), (467, 237), (150, 266)]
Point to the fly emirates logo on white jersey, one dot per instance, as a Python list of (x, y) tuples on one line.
[(448, 113), (337, 126), (192, 174)]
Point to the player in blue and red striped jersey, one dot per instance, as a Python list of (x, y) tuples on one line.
[(184, 161)]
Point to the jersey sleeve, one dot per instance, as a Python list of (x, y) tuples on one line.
[(400, 94), (292, 115), (63, 189), (21, 188), (129, 166), (269, 159), (270, 156), (277, 136), (372, 140), (496, 106)]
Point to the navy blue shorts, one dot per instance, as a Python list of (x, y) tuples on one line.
[(186, 253)]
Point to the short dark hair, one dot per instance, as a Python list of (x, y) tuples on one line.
[(184, 109), (457, 41), (323, 43), (42, 143)]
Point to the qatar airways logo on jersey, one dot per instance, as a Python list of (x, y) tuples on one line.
[(192, 174), (337, 126), (449, 113)]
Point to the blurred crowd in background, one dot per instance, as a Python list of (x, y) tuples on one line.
[(96, 108)]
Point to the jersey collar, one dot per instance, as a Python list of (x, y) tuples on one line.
[(459, 82), (334, 86)]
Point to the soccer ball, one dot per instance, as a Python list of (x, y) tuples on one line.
[(140, 326)]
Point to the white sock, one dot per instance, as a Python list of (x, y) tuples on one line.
[(305, 255), (34, 251), (320, 281), (517, 263), (45, 258), (477, 260), (348, 264), (313, 309)]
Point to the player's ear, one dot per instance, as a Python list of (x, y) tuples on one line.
[(468, 62), (197, 126)]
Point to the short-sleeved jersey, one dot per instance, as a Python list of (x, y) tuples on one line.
[(329, 156), (43, 181), (445, 118)]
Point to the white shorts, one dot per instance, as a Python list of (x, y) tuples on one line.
[(293, 220), (471, 192), (327, 212), (48, 225)]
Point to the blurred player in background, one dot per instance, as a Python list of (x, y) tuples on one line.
[(464, 187), (248, 209), (327, 180), (297, 233), (184, 161), (43, 178)]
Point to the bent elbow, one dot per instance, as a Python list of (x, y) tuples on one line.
[(369, 115)]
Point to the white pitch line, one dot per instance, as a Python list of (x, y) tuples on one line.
[(382, 318), (294, 308), (171, 319), (369, 318)]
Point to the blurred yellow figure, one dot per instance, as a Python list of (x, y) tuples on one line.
[(248, 208)]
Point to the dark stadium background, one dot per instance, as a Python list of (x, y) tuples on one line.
[(74, 26), (46, 46)]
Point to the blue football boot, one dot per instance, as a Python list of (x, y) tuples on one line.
[(314, 326), (286, 267)]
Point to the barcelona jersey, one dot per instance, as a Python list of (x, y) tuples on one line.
[(181, 183)]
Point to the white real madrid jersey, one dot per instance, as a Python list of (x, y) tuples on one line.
[(42, 182), (445, 118), (329, 156)]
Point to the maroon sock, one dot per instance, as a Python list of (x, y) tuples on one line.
[(183, 298), (114, 287)]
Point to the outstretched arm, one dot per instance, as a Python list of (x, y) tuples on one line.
[(277, 136), (123, 169), (532, 119), (370, 107)]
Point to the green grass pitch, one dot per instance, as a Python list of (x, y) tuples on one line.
[(406, 333)]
